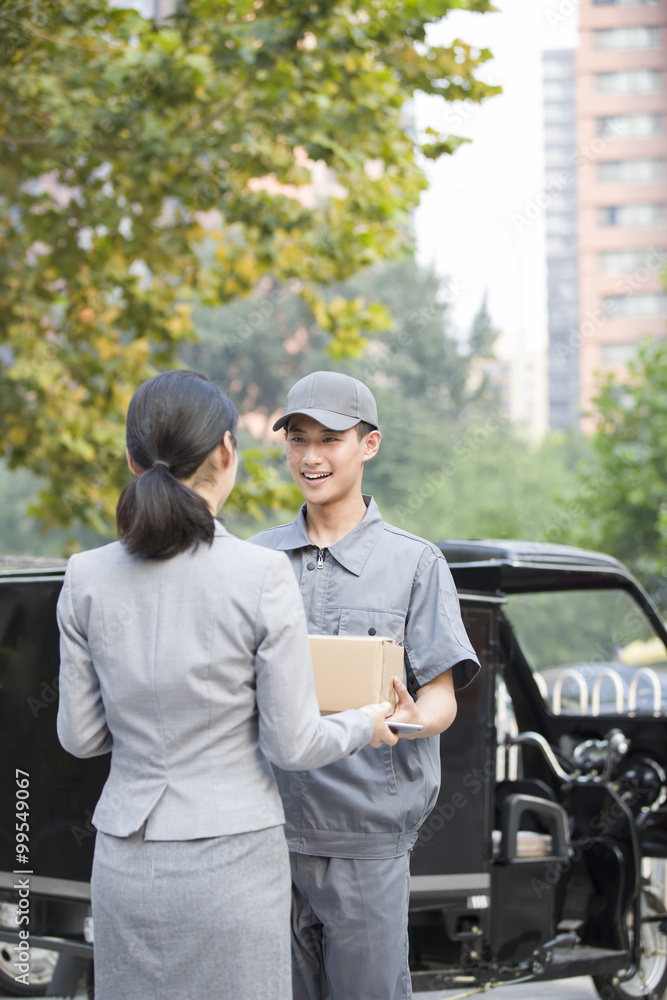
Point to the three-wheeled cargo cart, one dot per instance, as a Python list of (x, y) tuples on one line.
[(544, 857)]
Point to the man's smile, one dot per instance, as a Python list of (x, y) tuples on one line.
[(315, 476)]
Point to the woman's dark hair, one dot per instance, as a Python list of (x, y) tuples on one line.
[(174, 422)]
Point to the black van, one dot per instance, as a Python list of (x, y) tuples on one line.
[(545, 856)]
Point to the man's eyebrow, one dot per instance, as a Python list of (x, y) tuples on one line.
[(299, 430)]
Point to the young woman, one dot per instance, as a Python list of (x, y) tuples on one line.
[(184, 653)]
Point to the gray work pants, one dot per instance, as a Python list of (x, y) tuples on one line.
[(350, 928)]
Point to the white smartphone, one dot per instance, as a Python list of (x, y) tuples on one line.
[(404, 727)]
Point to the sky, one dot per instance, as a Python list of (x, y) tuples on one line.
[(468, 224)]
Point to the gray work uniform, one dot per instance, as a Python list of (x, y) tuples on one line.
[(377, 580)]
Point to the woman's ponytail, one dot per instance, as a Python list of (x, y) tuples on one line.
[(174, 422)]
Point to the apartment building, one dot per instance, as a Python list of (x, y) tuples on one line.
[(621, 178), (562, 265)]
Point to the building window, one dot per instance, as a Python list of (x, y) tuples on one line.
[(561, 223), (562, 270), (629, 126), (560, 156), (650, 304), (556, 112), (631, 81), (632, 171), (559, 181), (563, 291), (559, 90), (631, 215), (640, 37), (624, 261), (558, 135), (558, 66), (617, 354), (561, 246)]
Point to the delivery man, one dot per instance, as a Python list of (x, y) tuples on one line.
[(350, 825)]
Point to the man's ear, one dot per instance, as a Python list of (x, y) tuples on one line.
[(136, 469), (371, 445)]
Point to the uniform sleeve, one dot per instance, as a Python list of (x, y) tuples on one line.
[(292, 734), (435, 636), (82, 727)]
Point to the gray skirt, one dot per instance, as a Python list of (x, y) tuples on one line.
[(192, 920)]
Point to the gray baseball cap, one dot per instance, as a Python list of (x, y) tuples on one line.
[(337, 401)]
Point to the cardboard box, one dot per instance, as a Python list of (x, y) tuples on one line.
[(354, 670)]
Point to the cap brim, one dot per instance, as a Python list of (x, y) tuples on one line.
[(328, 418)]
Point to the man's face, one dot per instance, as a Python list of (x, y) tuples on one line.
[(327, 465)]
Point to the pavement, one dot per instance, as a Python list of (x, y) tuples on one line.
[(580, 988)]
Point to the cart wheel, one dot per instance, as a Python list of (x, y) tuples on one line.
[(650, 982), (42, 966)]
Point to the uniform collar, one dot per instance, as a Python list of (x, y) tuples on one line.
[(219, 528), (352, 550)]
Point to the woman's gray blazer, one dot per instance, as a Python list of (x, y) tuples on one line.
[(195, 673)]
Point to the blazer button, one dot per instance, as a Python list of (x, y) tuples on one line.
[(372, 631), (310, 565)]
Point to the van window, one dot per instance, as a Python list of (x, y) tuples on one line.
[(592, 652)]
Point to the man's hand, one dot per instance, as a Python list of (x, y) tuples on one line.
[(434, 709)]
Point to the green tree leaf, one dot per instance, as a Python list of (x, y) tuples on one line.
[(621, 490), (150, 167)]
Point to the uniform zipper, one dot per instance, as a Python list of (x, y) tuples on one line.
[(320, 558), (393, 769)]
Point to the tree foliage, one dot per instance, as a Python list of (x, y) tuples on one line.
[(256, 348), (483, 334), (619, 505), (18, 534), (148, 167), (490, 482), (449, 464)]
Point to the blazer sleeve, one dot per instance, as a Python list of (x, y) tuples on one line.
[(292, 734), (82, 727)]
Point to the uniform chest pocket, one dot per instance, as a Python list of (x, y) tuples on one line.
[(366, 621)]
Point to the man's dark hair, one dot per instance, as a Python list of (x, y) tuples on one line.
[(363, 429)]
